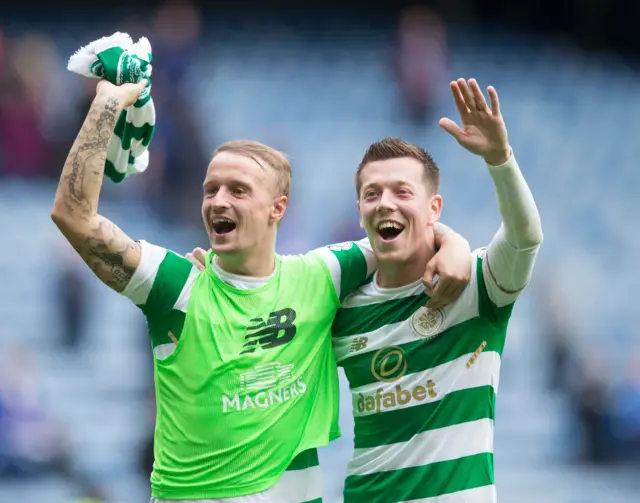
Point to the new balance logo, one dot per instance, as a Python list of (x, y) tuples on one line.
[(276, 331), (358, 344)]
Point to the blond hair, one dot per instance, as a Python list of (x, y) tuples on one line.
[(394, 148), (262, 154)]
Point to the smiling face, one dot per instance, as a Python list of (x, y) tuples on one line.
[(397, 199), (242, 203), (397, 210)]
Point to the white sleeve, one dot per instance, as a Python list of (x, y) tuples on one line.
[(138, 289), (349, 263), (510, 257)]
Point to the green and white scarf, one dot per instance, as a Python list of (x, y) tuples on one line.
[(120, 61)]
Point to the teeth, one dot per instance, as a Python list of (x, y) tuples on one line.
[(389, 225), (222, 221)]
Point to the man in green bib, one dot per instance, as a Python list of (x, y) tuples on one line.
[(245, 376)]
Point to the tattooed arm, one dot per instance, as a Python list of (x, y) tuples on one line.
[(110, 253)]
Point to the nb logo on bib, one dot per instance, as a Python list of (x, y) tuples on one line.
[(277, 330)]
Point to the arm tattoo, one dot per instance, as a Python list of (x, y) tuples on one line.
[(82, 175), (110, 253), (106, 251)]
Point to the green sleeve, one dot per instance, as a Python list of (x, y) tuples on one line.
[(349, 263)]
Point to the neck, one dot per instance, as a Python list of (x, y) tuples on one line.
[(397, 273), (260, 263)]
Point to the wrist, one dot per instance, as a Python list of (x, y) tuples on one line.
[(444, 234), (108, 99), (498, 157)]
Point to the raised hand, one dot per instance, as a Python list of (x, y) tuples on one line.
[(483, 130), (126, 94)]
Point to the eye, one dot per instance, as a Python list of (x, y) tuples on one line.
[(239, 190), (370, 194), (211, 190), (404, 192)]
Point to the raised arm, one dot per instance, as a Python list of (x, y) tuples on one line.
[(110, 253), (510, 256)]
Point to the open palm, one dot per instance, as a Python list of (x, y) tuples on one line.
[(483, 131)]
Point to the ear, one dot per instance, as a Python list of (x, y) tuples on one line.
[(360, 215), (279, 207), (435, 208)]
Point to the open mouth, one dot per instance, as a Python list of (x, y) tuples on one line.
[(222, 226), (389, 230)]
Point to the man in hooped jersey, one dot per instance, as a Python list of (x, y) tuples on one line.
[(424, 381), (245, 376)]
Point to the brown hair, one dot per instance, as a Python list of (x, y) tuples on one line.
[(261, 154), (394, 148)]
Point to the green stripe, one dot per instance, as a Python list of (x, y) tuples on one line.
[(126, 131), (169, 282), (421, 355), (148, 134), (317, 500), (306, 459), (120, 125), (401, 425), (359, 320), (427, 481), (144, 99), (159, 327), (353, 269), (499, 316), (109, 59), (112, 173)]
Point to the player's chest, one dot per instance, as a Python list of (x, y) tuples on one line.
[(259, 330)]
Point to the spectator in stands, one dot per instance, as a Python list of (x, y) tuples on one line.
[(421, 62), (178, 154), (589, 393), (70, 296), (625, 414), (31, 443), (24, 152)]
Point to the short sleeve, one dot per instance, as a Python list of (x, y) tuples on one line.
[(349, 263), (161, 287)]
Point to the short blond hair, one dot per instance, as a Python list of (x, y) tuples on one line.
[(262, 154)]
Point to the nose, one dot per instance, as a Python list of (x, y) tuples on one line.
[(386, 203), (220, 201)]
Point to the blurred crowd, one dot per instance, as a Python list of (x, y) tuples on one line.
[(41, 109), (606, 410), (42, 106)]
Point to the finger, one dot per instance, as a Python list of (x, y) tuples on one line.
[(444, 296), (467, 94), (452, 128), (427, 279), (438, 297), (449, 293), (142, 84), (194, 261), (200, 254), (481, 103), (495, 102), (459, 99)]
